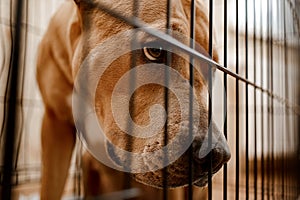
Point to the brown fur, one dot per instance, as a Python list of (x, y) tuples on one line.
[(73, 32)]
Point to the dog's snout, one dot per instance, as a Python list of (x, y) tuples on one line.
[(217, 155)]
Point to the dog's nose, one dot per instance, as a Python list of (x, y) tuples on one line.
[(215, 150), (219, 155)]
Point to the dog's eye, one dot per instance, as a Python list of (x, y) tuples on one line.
[(154, 54)]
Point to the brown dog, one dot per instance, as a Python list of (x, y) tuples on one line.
[(76, 30)]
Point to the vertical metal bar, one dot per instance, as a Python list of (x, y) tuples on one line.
[(298, 115), (166, 96), (255, 112), (225, 98), (262, 103), (191, 97), (78, 178), (268, 101), (295, 149), (296, 136), (294, 155), (298, 139), (210, 134), (132, 82), (247, 101), (10, 124), (269, 77), (9, 70), (210, 51), (237, 103), (285, 68), (18, 136), (287, 94), (272, 101), (279, 167), (18, 139)]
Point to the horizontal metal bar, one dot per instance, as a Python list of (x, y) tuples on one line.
[(136, 22)]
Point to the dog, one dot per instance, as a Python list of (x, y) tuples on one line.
[(74, 32)]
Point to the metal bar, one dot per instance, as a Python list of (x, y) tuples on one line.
[(268, 102), (269, 144), (10, 60), (295, 92), (210, 52), (10, 124), (77, 176), (22, 78), (285, 109), (132, 82), (255, 104), (281, 67), (294, 126), (237, 166), (191, 97), (262, 102), (210, 134), (298, 119), (282, 93), (298, 139), (177, 44), (166, 97), (247, 101), (272, 102), (225, 98)]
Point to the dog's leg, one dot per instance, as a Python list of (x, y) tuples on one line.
[(58, 140), (91, 176), (99, 179)]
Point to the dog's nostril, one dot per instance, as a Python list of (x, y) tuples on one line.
[(217, 160), (218, 156)]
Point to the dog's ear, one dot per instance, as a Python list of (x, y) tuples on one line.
[(83, 1), (84, 4), (80, 1)]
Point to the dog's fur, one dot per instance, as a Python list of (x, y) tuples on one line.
[(78, 27)]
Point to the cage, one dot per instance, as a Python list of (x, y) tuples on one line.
[(254, 97)]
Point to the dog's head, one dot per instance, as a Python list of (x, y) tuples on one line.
[(129, 91)]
